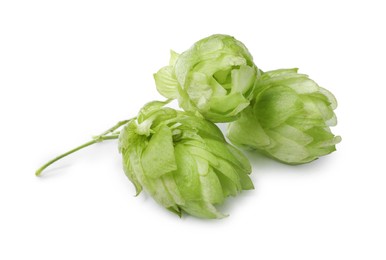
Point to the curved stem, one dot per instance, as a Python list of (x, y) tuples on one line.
[(96, 139), (101, 138)]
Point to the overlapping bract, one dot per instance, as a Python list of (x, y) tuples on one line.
[(289, 118), (182, 161), (215, 77)]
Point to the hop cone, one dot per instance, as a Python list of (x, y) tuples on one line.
[(182, 161), (214, 77), (289, 118)]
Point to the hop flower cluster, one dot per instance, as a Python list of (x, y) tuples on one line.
[(280, 113), (182, 159)]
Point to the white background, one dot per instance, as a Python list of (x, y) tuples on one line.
[(71, 69)]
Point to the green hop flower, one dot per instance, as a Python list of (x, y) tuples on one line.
[(215, 77), (182, 161), (289, 118)]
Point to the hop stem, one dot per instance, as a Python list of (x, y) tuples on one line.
[(112, 129), (100, 138), (96, 139)]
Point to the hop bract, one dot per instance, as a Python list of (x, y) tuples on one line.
[(182, 161), (215, 76), (289, 118)]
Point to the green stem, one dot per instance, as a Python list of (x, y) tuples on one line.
[(112, 129), (96, 139), (100, 139)]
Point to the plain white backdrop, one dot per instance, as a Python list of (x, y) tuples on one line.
[(71, 69)]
